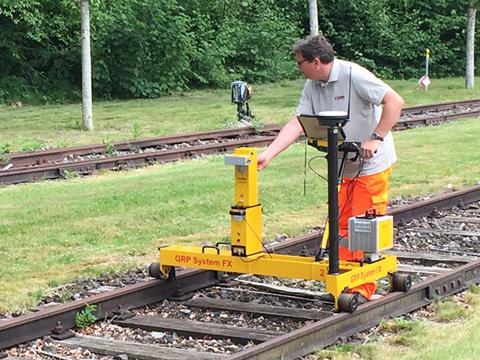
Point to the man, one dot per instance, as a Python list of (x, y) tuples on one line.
[(365, 182)]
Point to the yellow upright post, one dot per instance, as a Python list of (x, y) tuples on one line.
[(246, 213)]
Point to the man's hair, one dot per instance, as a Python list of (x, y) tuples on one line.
[(315, 46)]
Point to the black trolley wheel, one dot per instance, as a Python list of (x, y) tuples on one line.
[(401, 282), (348, 302), (154, 271)]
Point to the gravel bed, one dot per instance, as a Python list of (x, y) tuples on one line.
[(164, 339), (410, 237), (82, 288), (42, 349), (111, 151), (406, 240), (169, 309)]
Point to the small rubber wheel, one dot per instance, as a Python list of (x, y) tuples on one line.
[(401, 282), (154, 270), (348, 302), (172, 275)]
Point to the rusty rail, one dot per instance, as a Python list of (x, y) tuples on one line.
[(32, 326), (25, 167)]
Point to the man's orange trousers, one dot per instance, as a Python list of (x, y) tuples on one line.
[(355, 196)]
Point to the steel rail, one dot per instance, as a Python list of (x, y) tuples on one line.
[(39, 157), (28, 327), (56, 171), (310, 337), (434, 120), (35, 165), (41, 323), (440, 106), (34, 158)]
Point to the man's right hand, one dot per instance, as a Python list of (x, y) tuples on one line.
[(289, 133), (262, 161)]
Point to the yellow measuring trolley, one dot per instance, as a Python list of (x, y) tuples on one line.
[(246, 254)]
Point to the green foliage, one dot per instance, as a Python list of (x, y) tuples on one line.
[(148, 48), (348, 351), (449, 310), (390, 37), (33, 145), (110, 148), (70, 174), (403, 331), (256, 123), (143, 48), (4, 153), (474, 289), (136, 130), (39, 52), (86, 317), (65, 296), (5, 149)]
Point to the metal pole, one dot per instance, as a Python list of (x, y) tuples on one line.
[(470, 68), (86, 67), (427, 61), (313, 15), (332, 159)]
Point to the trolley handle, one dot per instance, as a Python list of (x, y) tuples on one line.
[(210, 247), (370, 213)]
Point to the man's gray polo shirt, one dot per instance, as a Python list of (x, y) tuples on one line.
[(367, 92)]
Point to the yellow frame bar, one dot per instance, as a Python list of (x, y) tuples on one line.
[(352, 274)]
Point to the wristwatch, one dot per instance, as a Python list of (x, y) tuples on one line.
[(375, 136)]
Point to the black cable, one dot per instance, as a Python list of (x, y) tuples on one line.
[(349, 194), (305, 170), (258, 238), (310, 167), (351, 184)]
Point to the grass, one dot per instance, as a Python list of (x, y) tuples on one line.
[(436, 338), (83, 226), (55, 231), (30, 127), (34, 127)]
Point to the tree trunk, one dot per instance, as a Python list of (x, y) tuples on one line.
[(470, 74), (313, 13), (86, 68)]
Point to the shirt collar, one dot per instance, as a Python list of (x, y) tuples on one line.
[(333, 74)]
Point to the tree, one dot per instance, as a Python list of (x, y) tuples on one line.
[(86, 67)]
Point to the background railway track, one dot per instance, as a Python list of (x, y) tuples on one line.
[(84, 160), (296, 323)]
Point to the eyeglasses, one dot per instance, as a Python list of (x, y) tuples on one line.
[(299, 63)]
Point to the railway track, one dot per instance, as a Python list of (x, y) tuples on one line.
[(84, 160), (267, 321)]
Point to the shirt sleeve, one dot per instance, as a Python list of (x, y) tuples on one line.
[(368, 86), (305, 105)]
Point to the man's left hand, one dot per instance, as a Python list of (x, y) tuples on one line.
[(369, 148)]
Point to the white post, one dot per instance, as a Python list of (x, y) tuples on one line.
[(427, 62), (313, 13), (469, 73), (86, 68)]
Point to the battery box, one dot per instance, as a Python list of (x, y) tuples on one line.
[(371, 234)]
